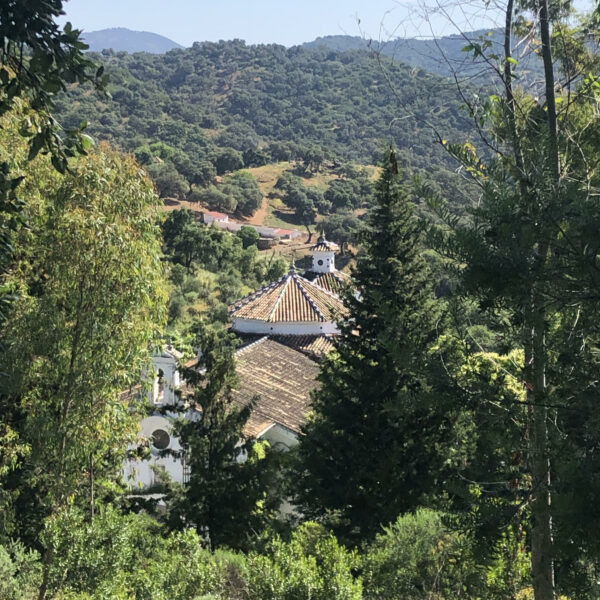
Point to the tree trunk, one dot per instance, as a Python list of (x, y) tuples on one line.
[(550, 93), (542, 565), (308, 240), (47, 560), (92, 486)]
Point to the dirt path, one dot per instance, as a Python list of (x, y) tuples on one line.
[(258, 218)]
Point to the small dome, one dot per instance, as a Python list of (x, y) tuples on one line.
[(323, 245)]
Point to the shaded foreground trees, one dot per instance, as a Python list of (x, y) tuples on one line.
[(530, 258), (384, 429)]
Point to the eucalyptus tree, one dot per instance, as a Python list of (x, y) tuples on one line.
[(38, 59), (91, 301)]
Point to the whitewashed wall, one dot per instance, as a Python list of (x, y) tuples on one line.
[(140, 474), (243, 325)]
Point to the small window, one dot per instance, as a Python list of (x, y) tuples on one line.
[(161, 385), (160, 439), (320, 262)]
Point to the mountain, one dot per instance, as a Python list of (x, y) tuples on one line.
[(442, 56), (121, 39), (227, 102)]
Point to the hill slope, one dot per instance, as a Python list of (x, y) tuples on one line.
[(122, 39), (270, 104)]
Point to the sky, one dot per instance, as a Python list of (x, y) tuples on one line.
[(268, 21)]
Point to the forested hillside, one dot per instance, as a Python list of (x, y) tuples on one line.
[(230, 105)]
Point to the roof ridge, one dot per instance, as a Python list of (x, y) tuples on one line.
[(281, 293), (321, 289), (255, 294), (251, 345), (312, 303)]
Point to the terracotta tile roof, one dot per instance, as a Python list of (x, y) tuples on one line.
[(281, 377), (216, 215), (315, 346), (292, 298), (333, 282)]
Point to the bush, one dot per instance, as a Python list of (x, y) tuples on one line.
[(128, 557), (311, 566), (20, 572), (419, 558)]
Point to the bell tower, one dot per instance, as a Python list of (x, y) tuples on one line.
[(323, 256)]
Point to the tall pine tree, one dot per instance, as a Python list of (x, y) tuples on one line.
[(379, 434), (233, 489)]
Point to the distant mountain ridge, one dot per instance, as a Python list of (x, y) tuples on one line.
[(122, 39), (441, 56)]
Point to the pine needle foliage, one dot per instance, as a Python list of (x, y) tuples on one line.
[(233, 487), (378, 437)]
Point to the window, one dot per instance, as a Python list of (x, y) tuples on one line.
[(161, 386), (160, 439)]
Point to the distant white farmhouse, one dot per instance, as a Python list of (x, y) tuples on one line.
[(210, 216)]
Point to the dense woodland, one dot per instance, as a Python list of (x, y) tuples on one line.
[(452, 448), (221, 106)]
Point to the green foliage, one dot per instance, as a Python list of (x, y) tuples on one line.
[(342, 227), (227, 160), (233, 488), (37, 60), (311, 565), (383, 393), (418, 557), (249, 236), (350, 193), (91, 299), (131, 557), (20, 572), (243, 189), (118, 556), (169, 183)]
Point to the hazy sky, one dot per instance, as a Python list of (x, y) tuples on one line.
[(285, 22)]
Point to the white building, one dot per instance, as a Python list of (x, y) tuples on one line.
[(290, 306), (284, 328), (156, 428), (211, 216), (323, 271)]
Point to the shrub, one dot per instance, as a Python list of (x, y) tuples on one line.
[(311, 566), (419, 558)]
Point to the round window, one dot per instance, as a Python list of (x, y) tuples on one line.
[(160, 439), (320, 262)]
